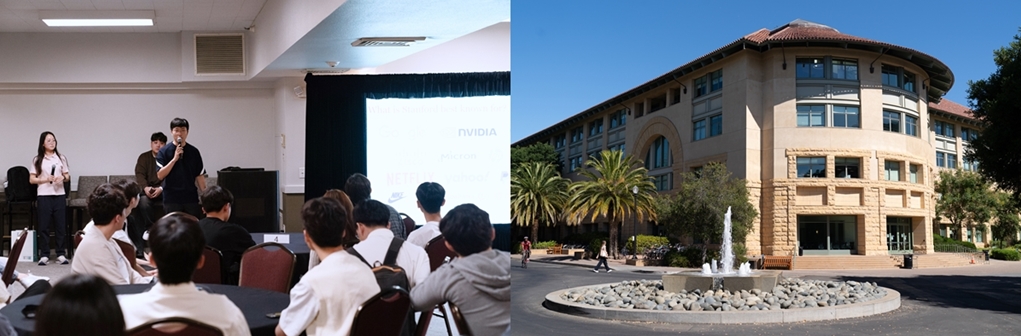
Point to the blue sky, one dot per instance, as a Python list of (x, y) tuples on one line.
[(569, 55)]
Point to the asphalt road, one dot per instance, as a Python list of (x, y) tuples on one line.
[(974, 300)]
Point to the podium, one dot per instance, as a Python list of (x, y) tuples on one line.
[(256, 198)]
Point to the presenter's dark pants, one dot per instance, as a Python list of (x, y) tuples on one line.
[(52, 212), (149, 210), (190, 208)]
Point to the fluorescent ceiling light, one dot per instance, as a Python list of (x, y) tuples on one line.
[(97, 18)]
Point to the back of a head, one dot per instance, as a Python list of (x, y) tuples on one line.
[(80, 304), (176, 241), (430, 195), (106, 202), (358, 188), (130, 188), (214, 198), (467, 229), (327, 223), (372, 213)]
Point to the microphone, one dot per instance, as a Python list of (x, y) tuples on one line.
[(179, 141), (53, 170)]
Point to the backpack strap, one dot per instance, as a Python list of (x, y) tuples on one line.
[(352, 251), (431, 241), (391, 253)]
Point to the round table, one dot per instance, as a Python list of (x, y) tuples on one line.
[(254, 303)]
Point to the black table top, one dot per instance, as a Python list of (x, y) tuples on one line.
[(296, 241), (254, 303)]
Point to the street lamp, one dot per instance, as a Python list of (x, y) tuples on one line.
[(634, 223)]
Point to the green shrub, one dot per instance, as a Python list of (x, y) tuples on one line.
[(694, 255), (937, 239), (516, 247), (1005, 254), (584, 238), (676, 259), (544, 245), (645, 242)]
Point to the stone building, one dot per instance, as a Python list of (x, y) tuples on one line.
[(839, 137)]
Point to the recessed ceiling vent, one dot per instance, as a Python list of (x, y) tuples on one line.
[(220, 54), (386, 41)]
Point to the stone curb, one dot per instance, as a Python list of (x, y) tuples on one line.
[(885, 304)]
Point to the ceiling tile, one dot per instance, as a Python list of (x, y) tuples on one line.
[(78, 4), (144, 4), (108, 4)]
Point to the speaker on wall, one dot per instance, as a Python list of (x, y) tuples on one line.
[(256, 206)]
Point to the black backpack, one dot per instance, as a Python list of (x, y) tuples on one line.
[(388, 274)]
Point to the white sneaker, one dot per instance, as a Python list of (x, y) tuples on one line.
[(597, 271), (62, 260), (28, 279), (43, 261), (608, 271)]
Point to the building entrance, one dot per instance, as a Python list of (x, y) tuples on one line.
[(827, 235), (899, 237)]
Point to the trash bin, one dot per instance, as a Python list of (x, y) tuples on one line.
[(909, 261), (801, 252), (986, 253)]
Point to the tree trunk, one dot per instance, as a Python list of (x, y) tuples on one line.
[(535, 232), (613, 240)]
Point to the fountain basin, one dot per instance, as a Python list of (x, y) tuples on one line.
[(689, 281)]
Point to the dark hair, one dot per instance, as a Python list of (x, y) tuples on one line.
[(467, 229), (372, 213), (344, 200), (106, 202), (80, 304), (130, 189), (41, 152), (160, 136), (176, 241), (328, 223), (215, 197), (358, 188), (179, 122), (430, 195)]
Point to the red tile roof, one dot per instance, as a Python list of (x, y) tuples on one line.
[(950, 107)]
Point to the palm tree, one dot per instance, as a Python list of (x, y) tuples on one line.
[(607, 192), (538, 193)]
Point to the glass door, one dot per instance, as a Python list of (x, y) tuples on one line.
[(899, 237), (827, 235)]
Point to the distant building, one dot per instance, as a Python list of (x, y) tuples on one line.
[(839, 138)]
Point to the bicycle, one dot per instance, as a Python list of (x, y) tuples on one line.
[(524, 257)]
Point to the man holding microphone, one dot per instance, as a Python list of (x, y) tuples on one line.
[(180, 168)]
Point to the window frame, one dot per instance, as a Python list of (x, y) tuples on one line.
[(845, 114), (887, 170), (828, 66), (810, 114), (906, 80), (595, 127), (810, 163), (706, 84), (658, 155), (911, 127), (888, 127), (839, 162), (696, 129), (577, 135)]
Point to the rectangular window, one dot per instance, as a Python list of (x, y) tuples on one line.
[(845, 116), (909, 81), (890, 76), (657, 103), (943, 128), (968, 134), (560, 141), (810, 68), (811, 167), (662, 182), (941, 159), (595, 154), (913, 173), (716, 80), (595, 127), (577, 134), (811, 115), (980, 235), (910, 125), (618, 119), (899, 78), (699, 129), (716, 125), (675, 96), (891, 121), (892, 170), (951, 161), (847, 167), (640, 109), (576, 162), (701, 87), (845, 69)]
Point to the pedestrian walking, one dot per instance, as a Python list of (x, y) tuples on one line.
[(602, 259)]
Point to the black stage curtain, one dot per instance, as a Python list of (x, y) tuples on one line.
[(335, 141)]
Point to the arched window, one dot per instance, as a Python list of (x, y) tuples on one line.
[(659, 154)]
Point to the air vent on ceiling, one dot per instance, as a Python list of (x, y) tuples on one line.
[(386, 41), (330, 71), (220, 54)]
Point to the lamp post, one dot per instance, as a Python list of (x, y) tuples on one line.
[(634, 223)]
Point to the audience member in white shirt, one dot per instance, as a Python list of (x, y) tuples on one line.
[(326, 299), (98, 254), (373, 230), (131, 191), (176, 243), (430, 199)]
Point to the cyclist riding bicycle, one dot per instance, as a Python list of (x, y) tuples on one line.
[(526, 252)]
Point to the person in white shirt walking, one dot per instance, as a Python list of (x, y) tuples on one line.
[(430, 199), (602, 259)]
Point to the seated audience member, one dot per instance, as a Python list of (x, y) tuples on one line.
[(324, 302), (430, 199), (373, 218), (345, 201), (152, 187), (176, 245), (478, 281), (80, 305), (231, 239), (98, 254), (25, 279), (359, 189), (131, 191)]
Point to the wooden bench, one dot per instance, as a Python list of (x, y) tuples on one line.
[(556, 249), (780, 262)]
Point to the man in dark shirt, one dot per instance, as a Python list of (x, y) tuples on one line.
[(152, 186), (180, 168), (231, 239)]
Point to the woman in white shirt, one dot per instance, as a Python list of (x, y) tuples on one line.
[(49, 171)]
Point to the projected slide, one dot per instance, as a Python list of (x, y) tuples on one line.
[(461, 143)]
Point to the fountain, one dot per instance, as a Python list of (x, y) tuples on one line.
[(714, 277)]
